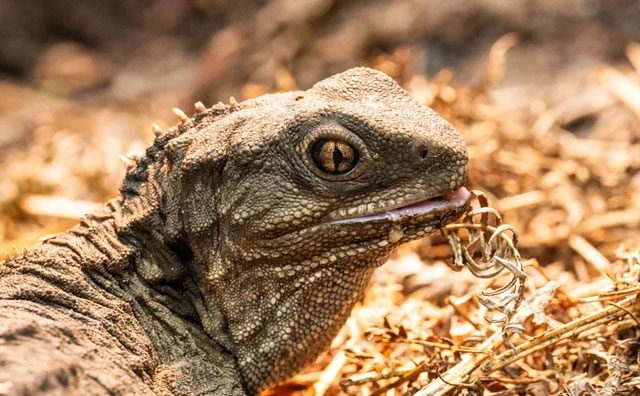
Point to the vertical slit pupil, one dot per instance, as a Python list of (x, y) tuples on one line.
[(337, 156), (333, 156)]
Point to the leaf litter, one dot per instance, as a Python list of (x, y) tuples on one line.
[(543, 296), (552, 306)]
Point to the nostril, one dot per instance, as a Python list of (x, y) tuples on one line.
[(421, 151)]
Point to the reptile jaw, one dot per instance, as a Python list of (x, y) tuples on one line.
[(455, 200)]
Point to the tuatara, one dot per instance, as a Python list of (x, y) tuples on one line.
[(237, 247)]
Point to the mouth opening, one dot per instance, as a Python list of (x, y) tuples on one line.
[(453, 200)]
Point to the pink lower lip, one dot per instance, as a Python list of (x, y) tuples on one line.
[(455, 199)]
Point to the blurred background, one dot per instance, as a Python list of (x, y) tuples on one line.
[(546, 94), (80, 82)]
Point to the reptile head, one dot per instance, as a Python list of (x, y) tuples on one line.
[(310, 191)]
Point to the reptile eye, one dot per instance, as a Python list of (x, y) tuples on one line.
[(334, 153), (335, 157)]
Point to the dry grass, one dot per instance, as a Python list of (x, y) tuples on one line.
[(565, 175)]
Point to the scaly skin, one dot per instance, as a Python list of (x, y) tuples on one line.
[(237, 248)]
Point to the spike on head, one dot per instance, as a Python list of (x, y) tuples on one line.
[(180, 115), (133, 156), (156, 130), (232, 101), (128, 162), (200, 107)]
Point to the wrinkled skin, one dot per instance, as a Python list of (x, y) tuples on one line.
[(232, 257)]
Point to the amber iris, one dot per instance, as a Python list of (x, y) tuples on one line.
[(334, 157)]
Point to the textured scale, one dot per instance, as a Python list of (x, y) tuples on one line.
[(230, 259)]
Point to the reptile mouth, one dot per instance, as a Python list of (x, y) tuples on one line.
[(452, 201)]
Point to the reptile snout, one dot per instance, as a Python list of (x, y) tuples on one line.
[(425, 153)]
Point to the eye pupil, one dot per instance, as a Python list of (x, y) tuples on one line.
[(337, 157), (334, 156)]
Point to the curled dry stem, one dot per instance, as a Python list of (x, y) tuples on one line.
[(487, 251)]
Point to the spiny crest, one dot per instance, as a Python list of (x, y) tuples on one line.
[(130, 159), (138, 166), (157, 131), (201, 111), (180, 115), (200, 107)]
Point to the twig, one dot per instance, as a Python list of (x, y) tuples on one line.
[(623, 87), (590, 254), (329, 375), (409, 376), (46, 205), (571, 329), (470, 362)]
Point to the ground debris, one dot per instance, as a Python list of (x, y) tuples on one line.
[(552, 309), (561, 294)]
